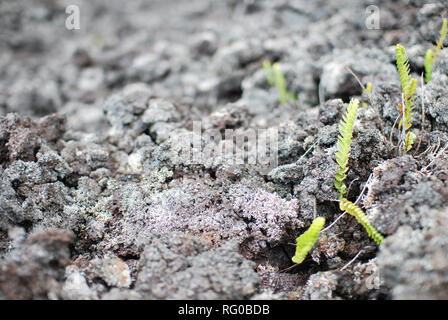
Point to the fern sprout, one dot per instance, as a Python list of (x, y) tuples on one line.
[(432, 55), (342, 156), (307, 240), (344, 141), (275, 77), (354, 210), (429, 60), (269, 72), (408, 85), (368, 90), (443, 33)]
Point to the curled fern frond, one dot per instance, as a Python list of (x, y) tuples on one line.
[(354, 210), (307, 240), (344, 141)]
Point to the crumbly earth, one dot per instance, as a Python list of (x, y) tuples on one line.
[(98, 202)]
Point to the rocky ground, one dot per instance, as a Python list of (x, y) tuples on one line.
[(96, 203)]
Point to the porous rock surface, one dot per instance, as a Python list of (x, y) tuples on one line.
[(97, 200)]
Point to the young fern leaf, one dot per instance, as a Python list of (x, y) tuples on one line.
[(344, 141), (269, 73), (368, 90), (354, 210), (443, 32), (409, 140), (408, 85), (307, 240), (429, 60), (280, 83), (403, 67), (407, 118), (275, 77), (432, 55), (342, 156), (369, 87)]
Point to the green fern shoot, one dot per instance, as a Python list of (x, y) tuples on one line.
[(432, 55), (267, 66), (408, 85), (367, 90), (342, 156), (429, 60), (361, 217), (344, 141), (276, 78), (307, 240)]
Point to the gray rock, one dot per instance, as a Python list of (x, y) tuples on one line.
[(40, 263), (148, 68), (197, 271), (337, 81), (414, 262), (160, 111)]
